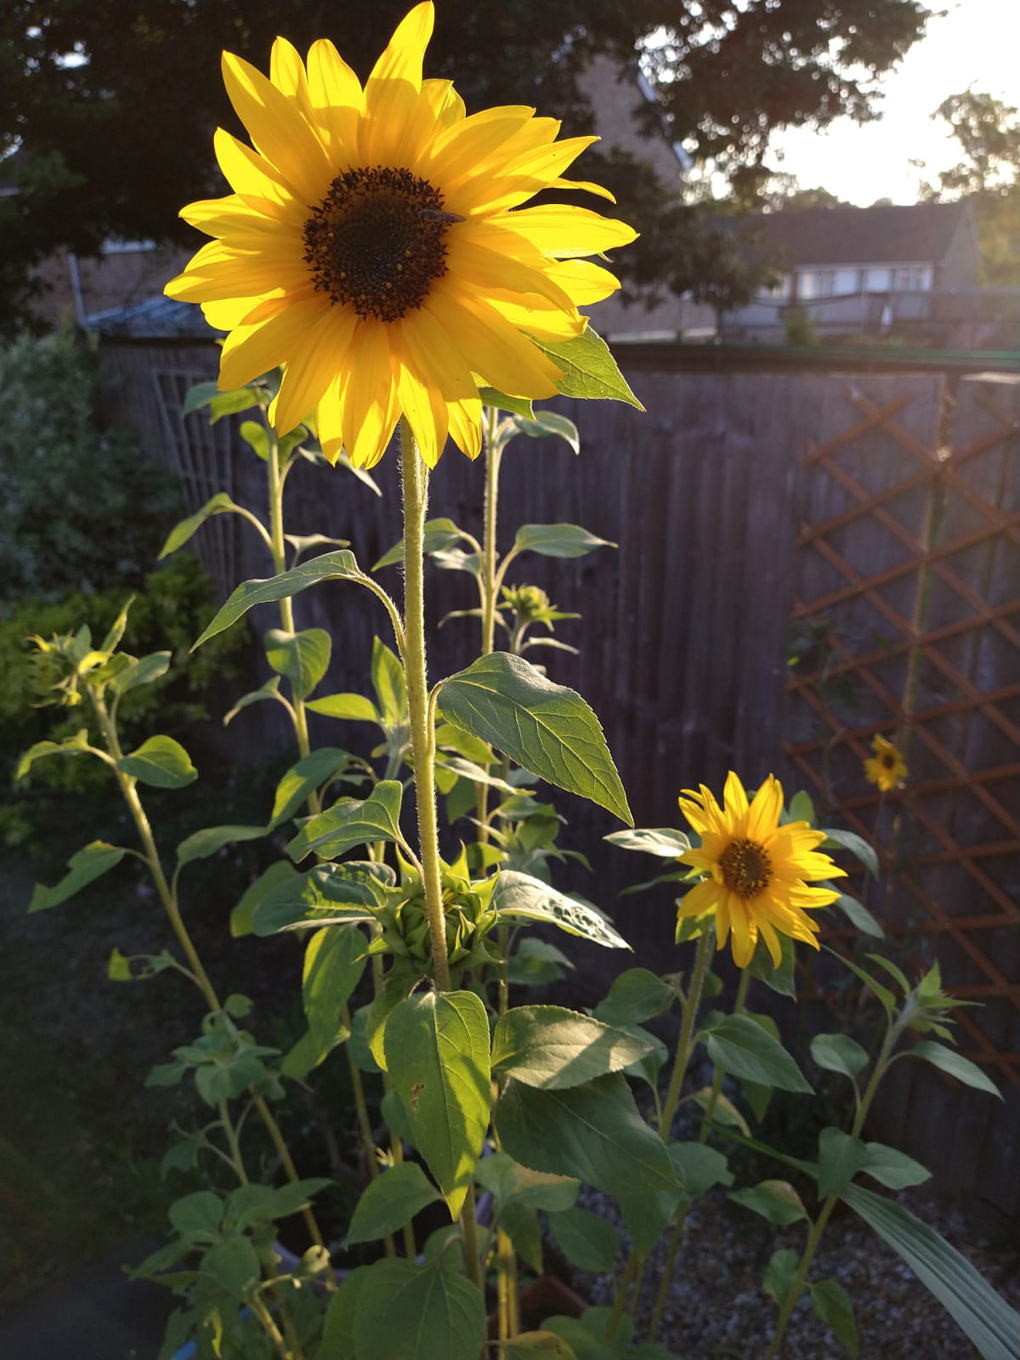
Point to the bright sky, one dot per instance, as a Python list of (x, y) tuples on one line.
[(977, 43)]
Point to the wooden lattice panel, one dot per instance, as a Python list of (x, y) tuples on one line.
[(909, 555)]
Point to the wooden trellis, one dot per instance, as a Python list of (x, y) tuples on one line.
[(909, 567)]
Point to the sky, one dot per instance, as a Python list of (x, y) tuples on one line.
[(976, 43)]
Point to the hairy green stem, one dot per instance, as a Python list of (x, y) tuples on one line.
[(415, 495)]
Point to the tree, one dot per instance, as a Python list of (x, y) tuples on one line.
[(109, 107), (988, 131)]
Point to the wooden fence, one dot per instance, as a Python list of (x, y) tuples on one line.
[(882, 507)]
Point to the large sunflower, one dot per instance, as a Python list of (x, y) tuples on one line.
[(375, 245), (758, 871)]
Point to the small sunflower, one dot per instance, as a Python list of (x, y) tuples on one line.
[(375, 246), (758, 871), (886, 767)]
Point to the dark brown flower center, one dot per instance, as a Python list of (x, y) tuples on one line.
[(888, 759), (376, 241), (746, 868)]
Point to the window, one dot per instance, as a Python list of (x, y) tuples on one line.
[(817, 283), (910, 279)]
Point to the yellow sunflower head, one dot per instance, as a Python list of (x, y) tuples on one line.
[(756, 872), (375, 245), (886, 767)]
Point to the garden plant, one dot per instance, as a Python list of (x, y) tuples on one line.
[(418, 291)]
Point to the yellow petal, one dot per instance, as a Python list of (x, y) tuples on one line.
[(277, 129), (287, 72), (745, 932), (562, 230), (584, 281), (393, 89), (311, 368), (421, 403), (702, 897), (734, 797), (250, 351), (458, 153), (246, 171), (765, 810), (368, 395), (505, 358)]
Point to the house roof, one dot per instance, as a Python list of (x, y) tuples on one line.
[(157, 318), (918, 233)]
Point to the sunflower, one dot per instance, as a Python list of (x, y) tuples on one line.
[(758, 871), (886, 767), (375, 245)]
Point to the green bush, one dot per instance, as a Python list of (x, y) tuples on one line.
[(81, 504)]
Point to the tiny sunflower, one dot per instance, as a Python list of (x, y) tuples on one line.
[(376, 246), (758, 871), (886, 767)]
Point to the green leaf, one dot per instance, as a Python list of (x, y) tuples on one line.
[(142, 671), (741, 1047), (354, 707), (990, 1323), (329, 894), (518, 894), (389, 1202), (161, 762), (537, 1346), (70, 746), (270, 690), (656, 840), (411, 1312), (303, 779), (257, 892), (699, 1167), (137, 967), (437, 1054), (802, 809), (775, 1200), (233, 1267), (948, 1060), (893, 1168), (541, 424), (333, 566), (546, 728), (334, 963), (839, 1053), (589, 369), (197, 1215), (780, 1273), (219, 403), (558, 540), (894, 970), (467, 769), (211, 840), (198, 396), (510, 1183), (219, 504), (593, 1132), (302, 657), (635, 996), (883, 993), (724, 1112), (389, 684), (830, 1303), (781, 980), (838, 839), (90, 863), (587, 1240), (251, 1204), (522, 1227), (344, 1306), (256, 437), (553, 1048), (440, 535), (520, 406), (859, 916), (840, 1157), (350, 823)]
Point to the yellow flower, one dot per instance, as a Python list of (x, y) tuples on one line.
[(758, 871), (886, 767), (375, 245)]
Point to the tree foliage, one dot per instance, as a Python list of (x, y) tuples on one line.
[(109, 108)]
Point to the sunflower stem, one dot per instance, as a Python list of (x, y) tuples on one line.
[(414, 477)]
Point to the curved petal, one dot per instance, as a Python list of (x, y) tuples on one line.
[(368, 395), (337, 102), (246, 171), (505, 358), (562, 230), (420, 401), (287, 72), (250, 351), (311, 367), (392, 90)]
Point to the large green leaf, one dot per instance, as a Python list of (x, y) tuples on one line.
[(437, 1053), (840, 1157), (654, 840), (593, 1132), (839, 1053), (328, 894), (256, 893), (948, 1060), (304, 778), (558, 540), (553, 1048), (83, 868), (302, 657), (587, 1240), (829, 1300), (390, 1201), (350, 823), (440, 535), (512, 1183), (542, 424), (333, 566), (636, 995), (859, 916), (546, 728), (142, 671), (518, 894), (741, 1047), (588, 369), (389, 684), (537, 1346), (70, 746), (353, 707), (838, 839), (334, 963), (211, 840), (218, 505), (161, 762), (775, 1200), (991, 1324), (411, 1312)]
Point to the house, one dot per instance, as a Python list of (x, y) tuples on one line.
[(863, 271)]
